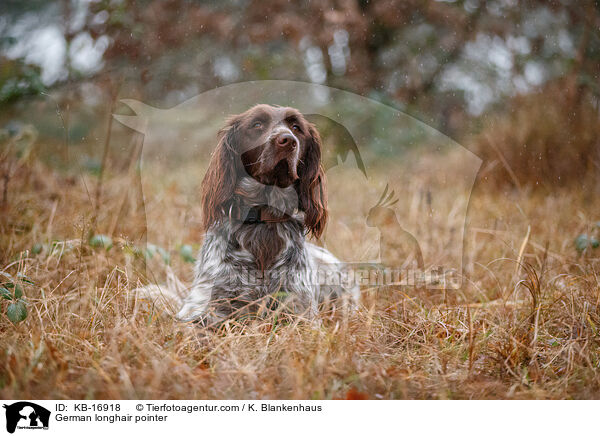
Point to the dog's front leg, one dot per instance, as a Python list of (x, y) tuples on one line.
[(195, 305)]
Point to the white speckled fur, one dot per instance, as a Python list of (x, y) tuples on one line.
[(223, 263)]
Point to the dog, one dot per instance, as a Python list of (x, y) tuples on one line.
[(263, 194)]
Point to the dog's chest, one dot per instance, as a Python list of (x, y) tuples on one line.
[(266, 246)]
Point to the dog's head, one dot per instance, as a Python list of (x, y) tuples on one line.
[(276, 146)]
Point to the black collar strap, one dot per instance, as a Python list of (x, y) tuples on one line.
[(261, 215)]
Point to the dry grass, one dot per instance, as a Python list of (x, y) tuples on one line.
[(528, 332), (546, 139)]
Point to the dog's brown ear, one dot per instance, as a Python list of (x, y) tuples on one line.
[(312, 190), (221, 178)]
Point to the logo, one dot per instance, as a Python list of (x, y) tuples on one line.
[(396, 216), (26, 415)]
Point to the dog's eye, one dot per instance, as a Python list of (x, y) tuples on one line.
[(257, 125), (296, 127)]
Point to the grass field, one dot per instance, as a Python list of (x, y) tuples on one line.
[(524, 325)]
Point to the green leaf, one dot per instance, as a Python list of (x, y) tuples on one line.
[(150, 251), (582, 242), (281, 295), (16, 312), (187, 253), (37, 248), (8, 276), (166, 257), (6, 294), (18, 292), (101, 241), (25, 278)]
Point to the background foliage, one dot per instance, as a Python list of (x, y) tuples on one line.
[(516, 82)]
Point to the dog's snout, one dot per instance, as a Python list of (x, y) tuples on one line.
[(286, 140)]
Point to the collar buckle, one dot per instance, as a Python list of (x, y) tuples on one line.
[(253, 216)]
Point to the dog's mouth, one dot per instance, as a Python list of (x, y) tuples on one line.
[(287, 168), (283, 174), (279, 168)]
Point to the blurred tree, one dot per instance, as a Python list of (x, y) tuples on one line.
[(18, 79), (447, 59)]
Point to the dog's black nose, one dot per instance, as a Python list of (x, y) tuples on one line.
[(286, 140)]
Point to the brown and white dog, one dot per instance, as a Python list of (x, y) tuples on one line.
[(264, 192)]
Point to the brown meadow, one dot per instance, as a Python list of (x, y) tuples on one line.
[(524, 325)]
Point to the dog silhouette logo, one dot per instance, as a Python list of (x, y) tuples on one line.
[(26, 415)]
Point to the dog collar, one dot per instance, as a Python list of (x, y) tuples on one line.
[(256, 215), (261, 215)]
